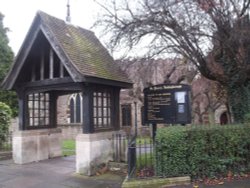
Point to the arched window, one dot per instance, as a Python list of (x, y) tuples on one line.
[(75, 107)]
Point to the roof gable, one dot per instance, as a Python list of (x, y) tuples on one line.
[(80, 52)]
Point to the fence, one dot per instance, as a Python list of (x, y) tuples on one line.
[(199, 152), (140, 157), (6, 146), (119, 147), (136, 152)]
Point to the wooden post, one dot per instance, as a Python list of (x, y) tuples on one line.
[(42, 66), (116, 108), (33, 73), (87, 105), (51, 64), (22, 103), (53, 110)]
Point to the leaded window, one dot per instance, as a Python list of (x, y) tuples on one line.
[(102, 109), (39, 110)]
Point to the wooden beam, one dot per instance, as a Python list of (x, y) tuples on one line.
[(42, 66), (62, 85), (51, 63), (47, 82)]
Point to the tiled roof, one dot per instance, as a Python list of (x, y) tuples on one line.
[(83, 49)]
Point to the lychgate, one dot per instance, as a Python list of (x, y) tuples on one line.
[(55, 59)]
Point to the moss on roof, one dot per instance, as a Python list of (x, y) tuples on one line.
[(83, 49)]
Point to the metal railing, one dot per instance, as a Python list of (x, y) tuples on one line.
[(119, 147)]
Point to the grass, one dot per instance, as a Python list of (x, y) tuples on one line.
[(69, 147), (145, 160), (144, 140)]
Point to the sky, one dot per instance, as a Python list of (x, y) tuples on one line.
[(19, 15)]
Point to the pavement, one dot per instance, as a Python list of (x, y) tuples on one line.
[(60, 173), (53, 173)]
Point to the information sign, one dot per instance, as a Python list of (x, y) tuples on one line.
[(167, 104)]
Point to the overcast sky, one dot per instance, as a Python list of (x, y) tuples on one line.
[(19, 15)]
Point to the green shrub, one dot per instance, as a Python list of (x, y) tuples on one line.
[(171, 150), (247, 118), (5, 116), (203, 151)]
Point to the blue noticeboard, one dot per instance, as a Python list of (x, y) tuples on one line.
[(167, 104)]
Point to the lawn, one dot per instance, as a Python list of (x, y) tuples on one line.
[(69, 147)]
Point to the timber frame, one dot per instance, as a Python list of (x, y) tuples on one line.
[(56, 59)]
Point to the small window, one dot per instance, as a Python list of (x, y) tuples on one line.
[(126, 115)]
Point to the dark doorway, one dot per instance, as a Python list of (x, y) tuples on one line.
[(223, 118)]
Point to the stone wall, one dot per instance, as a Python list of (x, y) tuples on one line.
[(92, 151)]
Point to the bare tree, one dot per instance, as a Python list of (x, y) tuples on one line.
[(208, 96), (147, 72), (212, 34)]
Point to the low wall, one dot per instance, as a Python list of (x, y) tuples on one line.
[(36, 145), (92, 151)]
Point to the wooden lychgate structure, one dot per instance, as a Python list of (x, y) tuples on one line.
[(58, 58)]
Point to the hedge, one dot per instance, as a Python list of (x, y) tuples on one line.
[(5, 117), (202, 151)]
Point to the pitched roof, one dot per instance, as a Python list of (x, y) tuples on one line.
[(81, 50)]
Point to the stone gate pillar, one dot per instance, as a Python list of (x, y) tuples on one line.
[(94, 146)]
